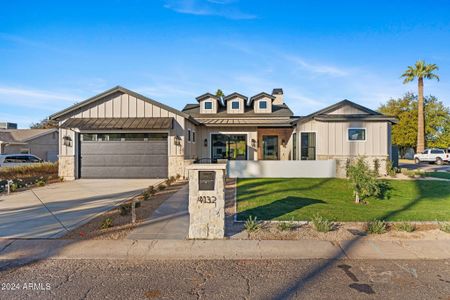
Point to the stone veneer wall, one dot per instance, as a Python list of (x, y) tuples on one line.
[(207, 218), (176, 165), (341, 163), (66, 167)]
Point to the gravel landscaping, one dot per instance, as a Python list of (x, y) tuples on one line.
[(120, 225)]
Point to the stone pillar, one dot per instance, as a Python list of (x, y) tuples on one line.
[(207, 201)]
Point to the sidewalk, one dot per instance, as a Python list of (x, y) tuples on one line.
[(169, 222), (30, 250)]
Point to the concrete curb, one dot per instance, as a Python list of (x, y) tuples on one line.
[(221, 249)]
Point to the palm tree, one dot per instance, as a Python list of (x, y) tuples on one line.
[(420, 71)]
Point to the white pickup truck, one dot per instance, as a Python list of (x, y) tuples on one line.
[(437, 156)]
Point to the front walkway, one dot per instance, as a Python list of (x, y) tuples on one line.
[(169, 222)]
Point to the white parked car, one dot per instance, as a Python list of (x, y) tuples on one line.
[(438, 156), (14, 160)]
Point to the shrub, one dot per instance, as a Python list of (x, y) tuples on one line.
[(376, 166), (363, 180), (178, 177), (348, 162), (405, 226), (168, 182), (106, 223), (376, 227), (390, 170), (34, 170), (404, 171), (251, 224), (283, 226), (125, 209), (151, 190), (146, 195), (161, 187), (322, 224), (172, 179), (444, 226), (40, 182), (13, 187)]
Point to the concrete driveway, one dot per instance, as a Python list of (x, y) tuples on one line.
[(50, 211)]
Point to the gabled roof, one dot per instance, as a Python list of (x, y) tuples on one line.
[(234, 95), (111, 91), (23, 135), (206, 96), (323, 114), (261, 95)]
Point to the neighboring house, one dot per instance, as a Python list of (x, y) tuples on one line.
[(7, 125), (122, 134), (40, 142)]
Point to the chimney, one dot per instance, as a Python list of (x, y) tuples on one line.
[(278, 94)]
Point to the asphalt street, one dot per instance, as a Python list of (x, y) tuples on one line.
[(226, 279)]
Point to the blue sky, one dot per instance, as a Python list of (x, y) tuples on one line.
[(54, 53)]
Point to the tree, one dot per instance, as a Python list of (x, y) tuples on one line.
[(44, 124), (420, 71), (363, 180), (404, 134), (219, 93)]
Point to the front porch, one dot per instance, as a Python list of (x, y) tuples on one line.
[(249, 144)]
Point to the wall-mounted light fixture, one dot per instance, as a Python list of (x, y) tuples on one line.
[(67, 141), (253, 143), (205, 143), (283, 143), (177, 140)]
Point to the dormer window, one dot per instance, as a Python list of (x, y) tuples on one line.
[(208, 105), (262, 104), (235, 105)]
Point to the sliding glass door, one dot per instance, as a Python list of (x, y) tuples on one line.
[(229, 146)]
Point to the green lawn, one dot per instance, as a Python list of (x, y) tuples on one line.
[(301, 198), (445, 175)]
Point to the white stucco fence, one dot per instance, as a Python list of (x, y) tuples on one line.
[(281, 168)]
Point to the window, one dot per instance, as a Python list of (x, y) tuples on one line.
[(356, 134), (24, 151), (437, 151), (294, 146), (208, 105), (308, 146), (262, 104), (16, 159), (235, 105), (121, 137), (34, 159), (189, 136), (193, 136)]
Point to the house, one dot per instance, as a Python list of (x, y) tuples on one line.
[(122, 134), (7, 125), (40, 142)]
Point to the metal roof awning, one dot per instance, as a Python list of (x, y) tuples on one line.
[(228, 122), (118, 123)]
